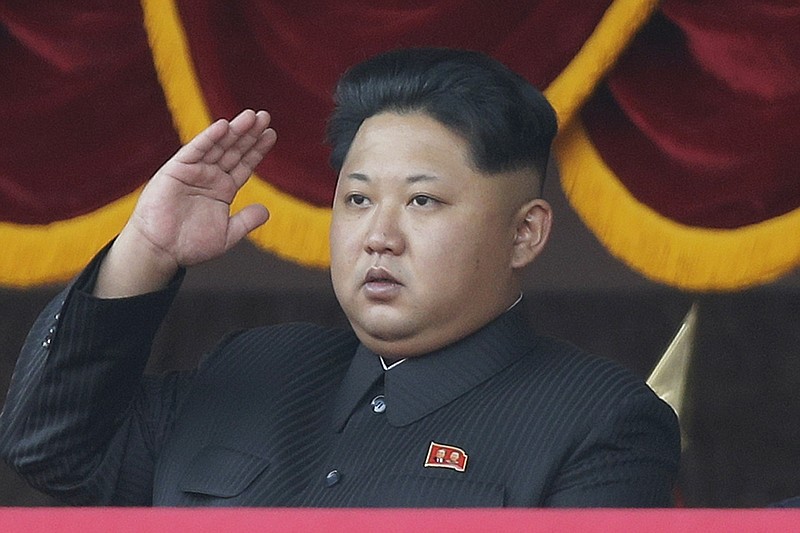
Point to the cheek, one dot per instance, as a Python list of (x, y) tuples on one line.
[(341, 253), (482, 252), (343, 236), (452, 257)]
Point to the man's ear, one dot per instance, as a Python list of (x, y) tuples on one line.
[(533, 222)]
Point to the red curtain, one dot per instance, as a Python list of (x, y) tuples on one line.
[(696, 120), (82, 116), (84, 120), (707, 100)]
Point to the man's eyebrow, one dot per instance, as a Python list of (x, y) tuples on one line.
[(416, 178)]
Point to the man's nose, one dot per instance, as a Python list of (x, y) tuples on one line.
[(384, 234)]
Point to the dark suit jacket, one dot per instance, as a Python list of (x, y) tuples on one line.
[(282, 416)]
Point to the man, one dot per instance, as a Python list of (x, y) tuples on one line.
[(440, 156)]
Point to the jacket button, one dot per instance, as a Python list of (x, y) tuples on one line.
[(378, 404), (332, 478), (47, 341)]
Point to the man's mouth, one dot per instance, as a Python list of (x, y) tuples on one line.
[(379, 275), (380, 284)]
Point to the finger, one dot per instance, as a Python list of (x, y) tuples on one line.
[(247, 163), (247, 124), (245, 221), (205, 145), (212, 144), (243, 142), (239, 141), (242, 122)]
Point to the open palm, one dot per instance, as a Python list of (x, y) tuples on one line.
[(184, 211)]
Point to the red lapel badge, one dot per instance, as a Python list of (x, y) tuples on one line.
[(444, 456)]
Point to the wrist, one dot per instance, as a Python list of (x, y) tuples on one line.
[(133, 266)]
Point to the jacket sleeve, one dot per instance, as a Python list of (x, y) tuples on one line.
[(629, 458), (79, 422)]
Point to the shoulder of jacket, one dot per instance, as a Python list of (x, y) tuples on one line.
[(582, 373)]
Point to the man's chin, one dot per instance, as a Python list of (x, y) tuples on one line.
[(387, 339), (381, 321), (384, 333)]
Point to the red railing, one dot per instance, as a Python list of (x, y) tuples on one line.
[(117, 520)]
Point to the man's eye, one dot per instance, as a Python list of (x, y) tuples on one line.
[(357, 199), (421, 200)]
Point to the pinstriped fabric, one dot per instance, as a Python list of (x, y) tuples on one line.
[(72, 388), (262, 394), (281, 416), (533, 438)]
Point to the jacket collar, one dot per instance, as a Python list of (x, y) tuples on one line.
[(423, 384)]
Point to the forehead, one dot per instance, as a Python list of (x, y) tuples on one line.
[(406, 141)]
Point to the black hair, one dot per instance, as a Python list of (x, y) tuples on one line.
[(507, 122)]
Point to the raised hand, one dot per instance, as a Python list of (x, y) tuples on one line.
[(183, 215)]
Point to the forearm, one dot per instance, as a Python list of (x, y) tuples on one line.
[(74, 384)]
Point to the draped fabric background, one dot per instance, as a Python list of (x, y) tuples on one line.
[(676, 148)]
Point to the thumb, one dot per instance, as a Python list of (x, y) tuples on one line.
[(245, 221)]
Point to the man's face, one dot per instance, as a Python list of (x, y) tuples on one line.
[(421, 242)]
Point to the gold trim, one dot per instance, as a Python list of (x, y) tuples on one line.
[(683, 256), (297, 230), (687, 257), (619, 24), (52, 253)]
